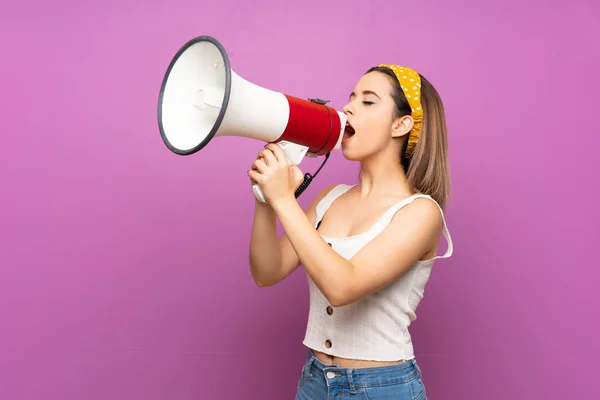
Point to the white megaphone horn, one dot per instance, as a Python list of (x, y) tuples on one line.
[(201, 97)]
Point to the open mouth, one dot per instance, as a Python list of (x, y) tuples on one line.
[(348, 132)]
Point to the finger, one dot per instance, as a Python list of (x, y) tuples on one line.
[(259, 165), (255, 176), (277, 152), (261, 155), (298, 174), (270, 157)]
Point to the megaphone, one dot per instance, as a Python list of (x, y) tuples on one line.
[(201, 98)]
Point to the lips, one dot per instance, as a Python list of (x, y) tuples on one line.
[(348, 132)]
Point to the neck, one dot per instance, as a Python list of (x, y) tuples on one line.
[(383, 175)]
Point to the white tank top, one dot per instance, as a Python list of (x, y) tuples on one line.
[(374, 327)]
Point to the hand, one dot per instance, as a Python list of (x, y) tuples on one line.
[(276, 178), (260, 156)]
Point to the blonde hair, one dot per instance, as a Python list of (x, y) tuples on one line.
[(427, 168)]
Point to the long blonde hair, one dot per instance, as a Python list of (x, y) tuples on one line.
[(427, 169)]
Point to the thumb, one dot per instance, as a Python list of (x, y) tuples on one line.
[(298, 175)]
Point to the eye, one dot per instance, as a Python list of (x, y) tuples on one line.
[(368, 103)]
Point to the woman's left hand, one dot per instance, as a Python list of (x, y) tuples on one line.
[(276, 178)]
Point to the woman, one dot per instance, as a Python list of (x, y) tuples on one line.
[(367, 249)]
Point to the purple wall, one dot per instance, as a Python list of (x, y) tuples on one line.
[(124, 271)]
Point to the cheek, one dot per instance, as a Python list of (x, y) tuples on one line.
[(379, 131), (379, 121), (372, 140)]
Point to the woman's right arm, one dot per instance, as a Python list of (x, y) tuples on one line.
[(272, 259)]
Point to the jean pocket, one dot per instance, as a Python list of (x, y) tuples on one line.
[(409, 388), (398, 391)]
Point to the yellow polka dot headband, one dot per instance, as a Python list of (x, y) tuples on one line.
[(410, 81)]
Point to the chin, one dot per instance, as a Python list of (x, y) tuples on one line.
[(351, 155)]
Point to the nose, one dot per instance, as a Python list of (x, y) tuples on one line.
[(348, 108)]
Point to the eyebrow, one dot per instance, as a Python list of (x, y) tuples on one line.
[(364, 93)]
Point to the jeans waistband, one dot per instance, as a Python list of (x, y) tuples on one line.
[(361, 377)]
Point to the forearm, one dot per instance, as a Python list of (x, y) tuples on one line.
[(332, 273), (265, 254)]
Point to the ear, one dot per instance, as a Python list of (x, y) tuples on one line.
[(402, 126)]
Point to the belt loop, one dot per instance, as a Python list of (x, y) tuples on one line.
[(308, 368), (418, 369), (350, 381)]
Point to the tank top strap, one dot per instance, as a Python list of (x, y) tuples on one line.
[(389, 214), (328, 199)]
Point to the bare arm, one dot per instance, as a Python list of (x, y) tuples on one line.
[(272, 259)]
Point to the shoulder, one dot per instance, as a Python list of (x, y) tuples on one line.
[(420, 214), (318, 199), (327, 191)]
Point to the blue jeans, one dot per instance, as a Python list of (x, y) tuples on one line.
[(327, 382)]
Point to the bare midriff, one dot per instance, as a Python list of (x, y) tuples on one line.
[(350, 363)]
